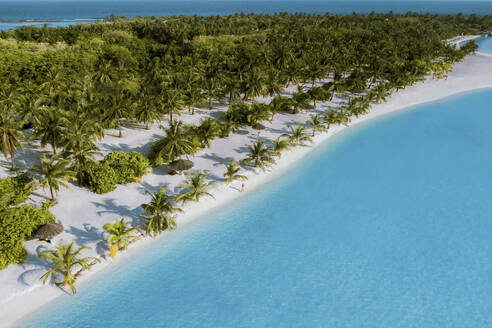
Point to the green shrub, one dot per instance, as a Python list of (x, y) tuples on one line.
[(116, 168), (99, 178), (16, 225), (129, 167), (15, 190), (244, 114)]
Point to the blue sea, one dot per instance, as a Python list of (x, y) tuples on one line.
[(386, 225), (485, 45), (68, 12)]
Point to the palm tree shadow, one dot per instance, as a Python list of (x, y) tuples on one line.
[(277, 131), (110, 206), (217, 159), (151, 188), (40, 196), (242, 150), (242, 132), (215, 178), (41, 267), (218, 115), (90, 234)]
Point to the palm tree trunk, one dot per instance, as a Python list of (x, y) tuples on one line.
[(210, 102), (53, 146), (119, 129), (52, 194), (12, 156), (171, 116)]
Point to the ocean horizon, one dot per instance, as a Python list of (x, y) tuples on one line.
[(55, 13)]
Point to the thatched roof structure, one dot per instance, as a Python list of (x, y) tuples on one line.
[(180, 165), (48, 231)]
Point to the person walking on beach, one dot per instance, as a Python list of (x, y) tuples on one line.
[(242, 187)]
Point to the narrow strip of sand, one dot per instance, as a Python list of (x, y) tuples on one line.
[(20, 289)]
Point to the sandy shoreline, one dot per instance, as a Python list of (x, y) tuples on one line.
[(20, 288)]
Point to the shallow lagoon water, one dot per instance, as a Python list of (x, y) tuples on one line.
[(386, 225), (485, 45)]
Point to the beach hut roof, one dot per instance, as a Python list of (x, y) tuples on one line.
[(48, 231), (180, 165)]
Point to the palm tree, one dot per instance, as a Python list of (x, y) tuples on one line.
[(194, 96), (54, 81), (54, 174), (274, 83), (253, 85), (171, 101), (116, 109), (211, 90), (158, 211), (195, 187), (31, 101), (146, 111), (79, 144), (64, 261), (52, 126), (297, 136), (317, 124), (207, 131), (299, 100), (260, 155), (231, 173), (175, 144), (279, 145), (9, 98), (11, 135), (104, 73), (316, 93), (120, 235)]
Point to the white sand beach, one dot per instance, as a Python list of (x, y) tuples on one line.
[(83, 213)]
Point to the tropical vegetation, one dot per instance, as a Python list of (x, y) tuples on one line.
[(67, 263)]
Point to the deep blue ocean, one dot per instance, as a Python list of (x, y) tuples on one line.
[(63, 13)]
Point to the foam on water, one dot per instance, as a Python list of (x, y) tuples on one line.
[(386, 225)]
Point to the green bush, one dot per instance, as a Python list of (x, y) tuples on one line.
[(129, 167), (116, 168), (15, 190), (99, 178), (244, 114), (16, 225)]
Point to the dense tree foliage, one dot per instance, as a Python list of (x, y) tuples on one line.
[(64, 87), (69, 84), (16, 225)]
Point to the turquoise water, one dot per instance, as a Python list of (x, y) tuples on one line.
[(388, 225), (485, 45)]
